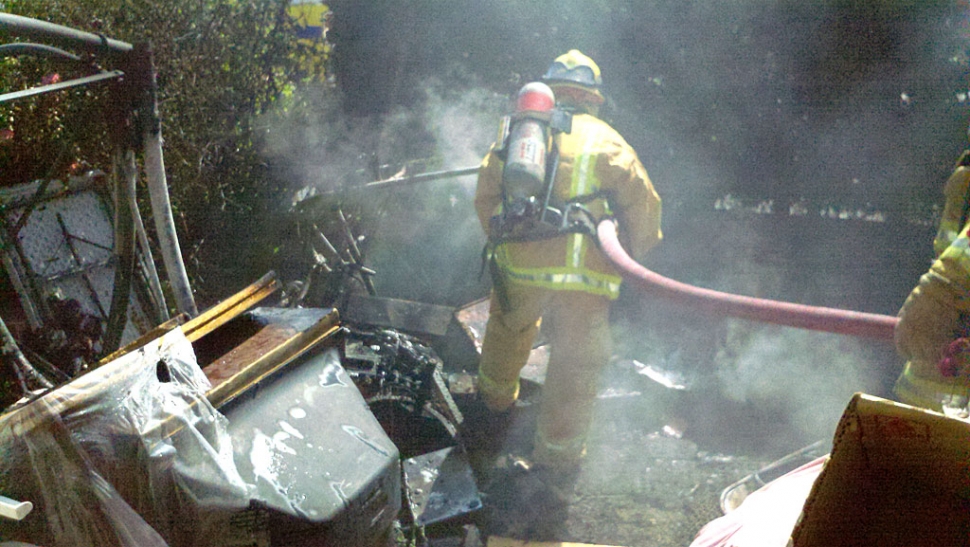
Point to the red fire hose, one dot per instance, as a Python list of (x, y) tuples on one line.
[(839, 321)]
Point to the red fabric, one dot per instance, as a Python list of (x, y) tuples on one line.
[(767, 516)]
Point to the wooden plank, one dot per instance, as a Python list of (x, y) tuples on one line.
[(157, 332), (230, 308), (272, 351), (249, 351)]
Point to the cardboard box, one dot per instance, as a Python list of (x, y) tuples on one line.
[(898, 475)]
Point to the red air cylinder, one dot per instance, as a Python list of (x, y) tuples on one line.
[(535, 97), (525, 165)]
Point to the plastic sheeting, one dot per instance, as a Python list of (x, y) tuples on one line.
[(768, 515), (131, 454)]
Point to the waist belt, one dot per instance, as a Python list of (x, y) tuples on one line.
[(525, 222)]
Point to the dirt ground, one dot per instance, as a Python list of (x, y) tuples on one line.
[(659, 457), (643, 482)]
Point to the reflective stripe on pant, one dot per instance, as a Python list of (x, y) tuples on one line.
[(576, 324)]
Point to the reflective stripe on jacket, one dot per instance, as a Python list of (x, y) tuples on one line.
[(593, 158)]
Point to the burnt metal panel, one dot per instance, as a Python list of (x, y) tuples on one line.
[(441, 486), (414, 317)]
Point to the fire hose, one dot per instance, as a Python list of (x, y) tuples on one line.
[(839, 321), (847, 322)]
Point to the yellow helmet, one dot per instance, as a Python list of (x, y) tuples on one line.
[(576, 70)]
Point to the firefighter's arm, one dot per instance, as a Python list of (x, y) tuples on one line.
[(635, 203), (488, 192), (930, 318)]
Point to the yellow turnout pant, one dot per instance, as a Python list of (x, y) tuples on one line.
[(576, 325)]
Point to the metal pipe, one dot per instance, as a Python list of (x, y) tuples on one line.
[(125, 174), (38, 50), (26, 302), (356, 257), (66, 37), (423, 177), (10, 354), (168, 241), (12, 253), (851, 323), (148, 263), (100, 77)]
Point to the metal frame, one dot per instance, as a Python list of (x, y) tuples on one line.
[(132, 80)]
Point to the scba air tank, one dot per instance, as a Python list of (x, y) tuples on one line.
[(525, 164)]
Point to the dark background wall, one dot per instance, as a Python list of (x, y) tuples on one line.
[(783, 99)]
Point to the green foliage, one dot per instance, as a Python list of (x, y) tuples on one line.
[(220, 65), (41, 134)]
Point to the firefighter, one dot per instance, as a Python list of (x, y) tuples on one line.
[(932, 328), (562, 278)]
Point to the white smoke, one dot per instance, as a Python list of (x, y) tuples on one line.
[(435, 238), (807, 377), (464, 123)]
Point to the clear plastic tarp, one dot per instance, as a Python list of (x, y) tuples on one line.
[(130, 454)]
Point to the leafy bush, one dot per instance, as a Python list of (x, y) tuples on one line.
[(220, 64)]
